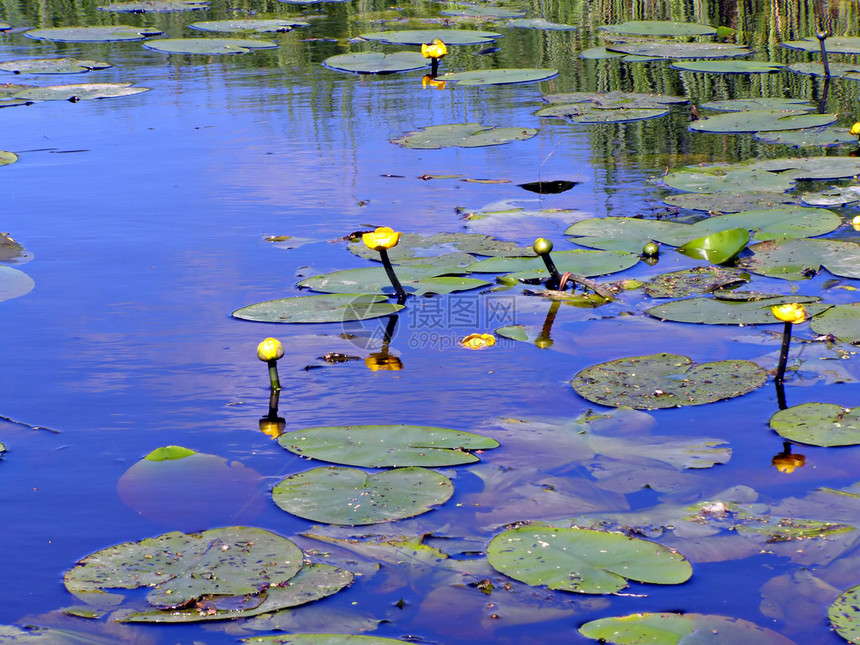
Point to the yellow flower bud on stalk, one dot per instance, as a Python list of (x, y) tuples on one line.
[(382, 239), (791, 314), (270, 351), (543, 247), (435, 51)]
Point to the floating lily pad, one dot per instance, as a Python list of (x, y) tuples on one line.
[(155, 6), (180, 568), (660, 28), (323, 639), (80, 92), (387, 446), (841, 321), (834, 45), (734, 308), (424, 249), (579, 113), (350, 496), (581, 262), (677, 629), (725, 201), (92, 34), (665, 381), (801, 259), (844, 614), (342, 307), (462, 135), (474, 11), (375, 280), (601, 53), (616, 99), (849, 71), (422, 36), (628, 233), (717, 248), (680, 50), (729, 67), (377, 62), (14, 283), (832, 196), (499, 76), (712, 180), (693, 282), (810, 167), (313, 582), (746, 105), (52, 66), (539, 23), (775, 223), (583, 560), (7, 158), (762, 120), (809, 138), (261, 26), (208, 46), (818, 424)]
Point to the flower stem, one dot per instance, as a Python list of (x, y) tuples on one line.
[(389, 270), (273, 375), (822, 36), (434, 67), (553, 271), (783, 353)]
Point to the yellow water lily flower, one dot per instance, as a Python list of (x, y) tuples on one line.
[(786, 463), (478, 341), (430, 81), (382, 238), (855, 129), (792, 312), (436, 49), (270, 349), (855, 223), (382, 361)]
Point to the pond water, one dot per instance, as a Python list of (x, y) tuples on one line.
[(145, 219)]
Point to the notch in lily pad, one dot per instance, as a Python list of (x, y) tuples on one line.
[(717, 248)]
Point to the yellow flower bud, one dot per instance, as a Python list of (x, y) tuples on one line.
[(270, 350), (382, 238), (855, 223), (478, 341), (436, 49), (855, 129), (542, 246), (786, 463), (792, 312)]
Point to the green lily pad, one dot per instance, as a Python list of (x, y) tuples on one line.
[(627, 233), (52, 66), (841, 321), (7, 158), (775, 223), (736, 180), (818, 424), (170, 453), (583, 560), (40, 635), (810, 167), (693, 282), (678, 629), (850, 71), (424, 248), (377, 62), (680, 50), (80, 92), (746, 105), (808, 138), (475, 11), (832, 196), (336, 495), (834, 45), (729, 67), (313, 582), (180, 568), (342, 307), (92, 34), (323, 639), (387, 446), (844, 614), (665, 381), (739, 309), (208, 46), (260, 26), (462, 135), (660, 28), (801, 259), (418, 281), (616, 99), (762, 120), (601, 53), (499, 76), (14, 283), (725, 201), (579, 113), (155, 6), (717, 248), (539, 23), (581, 262), (422, 36)]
